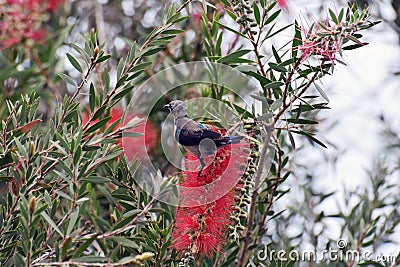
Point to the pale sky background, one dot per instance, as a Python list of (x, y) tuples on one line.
[(358, 93)]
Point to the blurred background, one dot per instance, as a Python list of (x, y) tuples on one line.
[(361, 130)]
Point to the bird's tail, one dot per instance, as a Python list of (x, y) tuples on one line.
[(235, 139)]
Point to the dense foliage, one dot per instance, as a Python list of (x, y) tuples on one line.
[(70, 188)]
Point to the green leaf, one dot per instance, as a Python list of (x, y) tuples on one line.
[(234, 56), (232, 30), (149, 52), (92, 97), (277, 67), (96, 180), (6, 159), (276, 55), (91, 259), (67, 79), (74, 62), (231, 14), (72, 221), (84, 246), (263, 80), (269, 35), (132, 134), (354, 46), (81, 52), (333, 16), (122, 92), (121, 81), (52, 223), (292, 142), (341, 13), (368, 243), (176, 18), (257, 14), (120, 67), (77, 155), (62, 141), (273, 17), (218, 50), (271, 6), (259, 98), (98, 124), (102, 58), (173, 31), (98, 112), (140, 66), (63, 195), (226, 2), (301, 121), (273, 85), (124, 242), (321, 91), (111, 156), (276, 104), (310, 137), (297, 39), (265, 117), (126, 260)]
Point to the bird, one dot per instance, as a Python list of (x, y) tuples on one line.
[(201, 140)]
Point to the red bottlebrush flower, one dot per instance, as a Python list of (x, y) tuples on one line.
[(37, 35), (314, 45), (324, 39), (22, 20), (207, 202), (282, 3), (134, 147)]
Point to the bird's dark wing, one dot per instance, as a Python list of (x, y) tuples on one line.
[(192, 133)]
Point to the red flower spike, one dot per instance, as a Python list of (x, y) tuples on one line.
[(282, 3), (207, 201), (134, 147), (22, 20)]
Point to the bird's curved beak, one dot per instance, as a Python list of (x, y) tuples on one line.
[(167, 106)]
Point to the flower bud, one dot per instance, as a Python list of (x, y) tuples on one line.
[(32, 205)]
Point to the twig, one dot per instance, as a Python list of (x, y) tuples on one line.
[(122, 229), (257, 180), (289, 81), (274, 188), (84, 80), (254, 196), (78, 263), (287, 105)]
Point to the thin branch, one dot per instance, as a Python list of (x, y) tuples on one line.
[(254, 197), (84, 80), (274, 187), (78, 263), (287, 105), (289, 81), (257, 180), (122, 229)]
